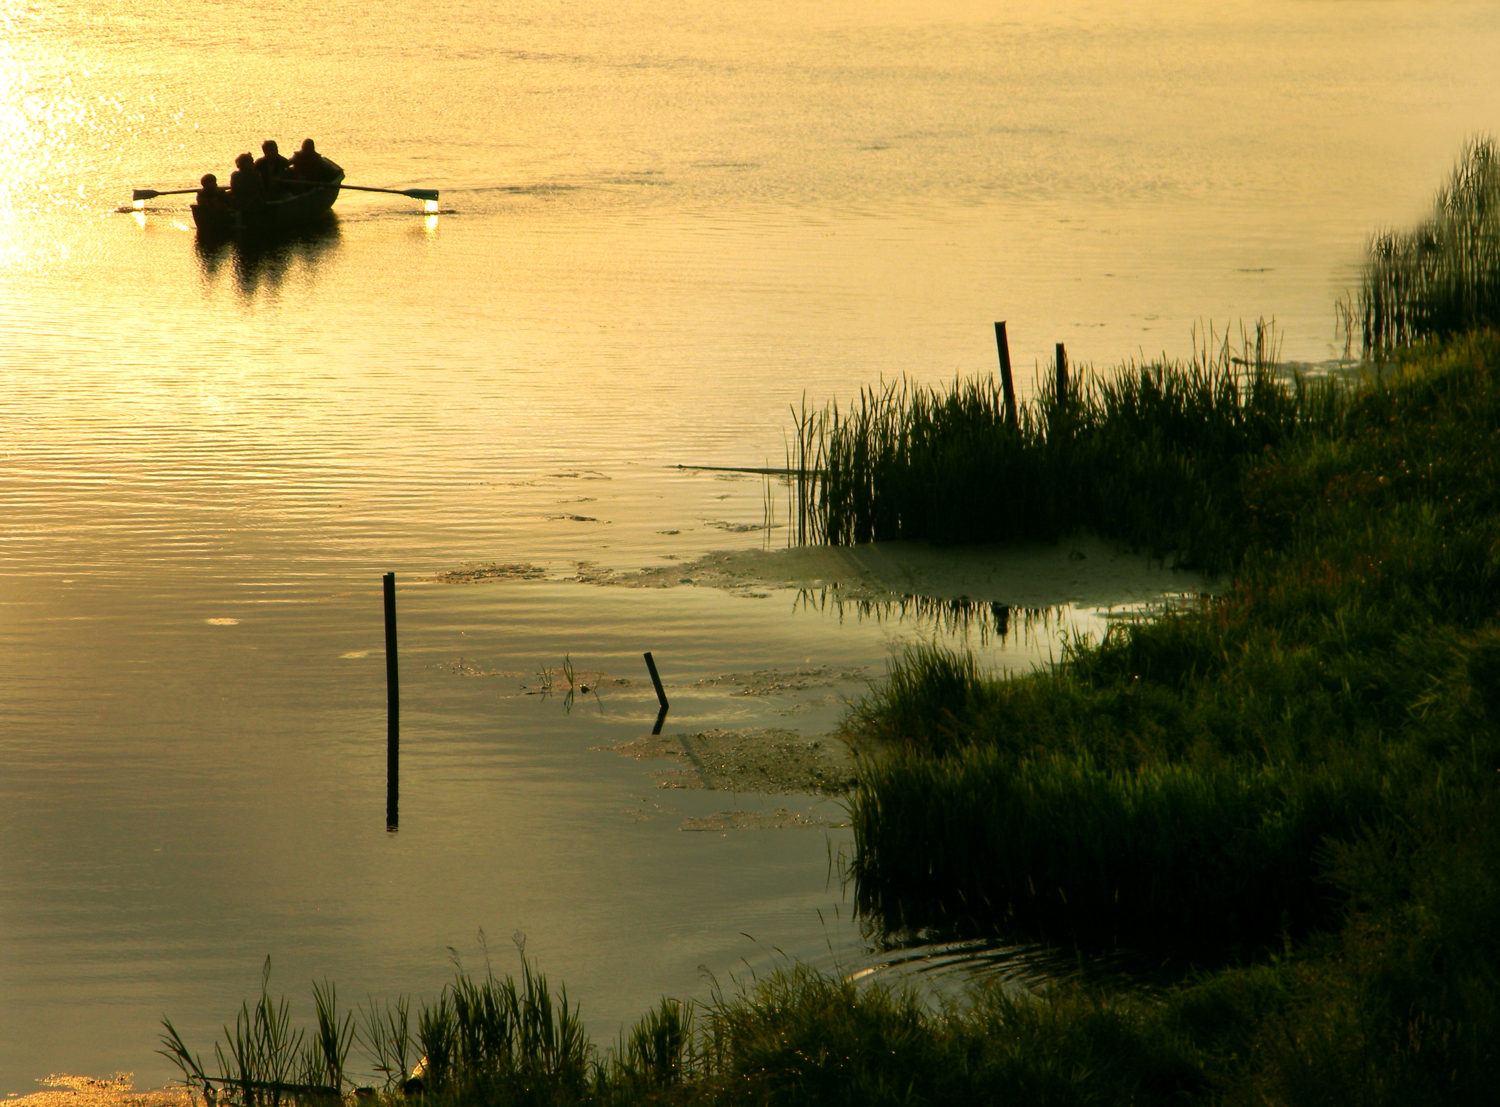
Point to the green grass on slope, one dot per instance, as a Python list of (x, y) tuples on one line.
[(1309, 764)]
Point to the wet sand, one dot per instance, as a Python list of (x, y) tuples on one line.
[(763, 760), (85, 1091), (1082, 571)]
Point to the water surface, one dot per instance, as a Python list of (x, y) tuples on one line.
[(662, 225)]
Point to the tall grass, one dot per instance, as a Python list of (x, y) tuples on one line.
[(500, 1030), (477, 1033), (1150, 454), (796, 1036), (1443, 277), (264, 1059)]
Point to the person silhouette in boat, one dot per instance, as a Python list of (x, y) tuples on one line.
[(246, 188), (309, 165), (272, 167), (211, 196)]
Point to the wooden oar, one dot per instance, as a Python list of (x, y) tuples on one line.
[(151, 193), (414, 193), (429, 194)]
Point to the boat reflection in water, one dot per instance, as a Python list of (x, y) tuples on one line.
[(261, 262)]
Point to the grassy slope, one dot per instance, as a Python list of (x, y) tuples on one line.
[(1309, 765)]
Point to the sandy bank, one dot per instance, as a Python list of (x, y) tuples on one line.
[(86, 1091), (766, 760), (1083, 571)]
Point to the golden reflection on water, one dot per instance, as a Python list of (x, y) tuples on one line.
[(670, 230), (263, 267)]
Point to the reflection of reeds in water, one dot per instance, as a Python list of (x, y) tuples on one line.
[(1057, 847), (1150, 454), (952, 964), (1443, 277), (992, 622)]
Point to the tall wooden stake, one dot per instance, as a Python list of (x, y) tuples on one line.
[(1062, 373), (1005, 379), (661, 696), (393, 711)]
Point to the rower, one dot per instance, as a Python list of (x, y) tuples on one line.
[(246, 188), (308, 164), (272, 167), (211, 196)]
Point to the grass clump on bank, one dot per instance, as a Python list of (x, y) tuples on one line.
[(794, 1036), (1150, 455), (1443, 278)]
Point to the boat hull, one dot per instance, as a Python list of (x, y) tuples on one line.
[(288, 213)]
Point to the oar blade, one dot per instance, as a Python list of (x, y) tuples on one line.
[(421, 193), (144, 194)]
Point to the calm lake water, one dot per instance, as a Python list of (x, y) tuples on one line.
[(662, 225)]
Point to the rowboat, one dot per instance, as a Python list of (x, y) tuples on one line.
[(307, 205)]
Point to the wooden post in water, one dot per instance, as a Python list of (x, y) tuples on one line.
[(1062, 373), (1006, 383), (661, 696), (393, 710)]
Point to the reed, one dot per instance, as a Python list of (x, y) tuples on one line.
[(476, 1034), (796, 1036), (492, 1030), (1148, 454), (386, 1032), (264, 1059), (1443, 277), (662, 1050), (927, 699)]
